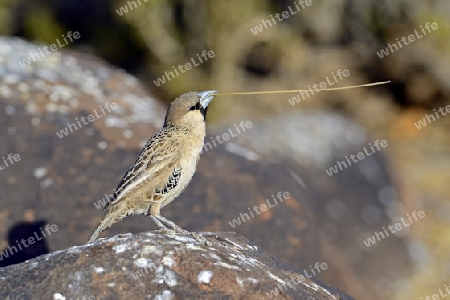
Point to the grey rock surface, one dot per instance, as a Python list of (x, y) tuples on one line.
[(161, 266)]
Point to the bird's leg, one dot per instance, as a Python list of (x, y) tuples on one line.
[(153, 212), (199, 237), (171, 224), (158, 219), (158, 223)]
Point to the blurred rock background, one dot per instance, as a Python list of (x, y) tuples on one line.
[(299, 51)]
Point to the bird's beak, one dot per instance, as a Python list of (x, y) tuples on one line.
[(206, 97)]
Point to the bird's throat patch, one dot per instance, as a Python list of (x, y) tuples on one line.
[(203, 112)]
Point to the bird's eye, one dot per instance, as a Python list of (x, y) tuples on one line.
[(195, 107)]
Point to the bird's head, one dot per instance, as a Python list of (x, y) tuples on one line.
[(189, 110)]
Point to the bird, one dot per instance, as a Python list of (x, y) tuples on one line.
[(164, 167)]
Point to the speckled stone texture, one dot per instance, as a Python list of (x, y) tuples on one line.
[(161, 266), (63, 181)]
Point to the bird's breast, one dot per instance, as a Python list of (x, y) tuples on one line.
[(191, 150)]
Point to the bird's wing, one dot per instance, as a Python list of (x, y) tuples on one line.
[(172, 181), (160, 154)]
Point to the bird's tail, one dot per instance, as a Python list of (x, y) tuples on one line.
[(108, 220), (96, 233), (105, 223), (114, 213)]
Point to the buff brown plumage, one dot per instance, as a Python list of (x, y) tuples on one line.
[(165, 165)]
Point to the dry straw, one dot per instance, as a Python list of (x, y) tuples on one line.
[(297, 91)]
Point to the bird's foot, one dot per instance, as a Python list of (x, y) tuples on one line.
[(172, 225), (160, 225), (173, 228), (166, 231)]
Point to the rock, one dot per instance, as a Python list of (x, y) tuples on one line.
[(63, 181), (161, 266)]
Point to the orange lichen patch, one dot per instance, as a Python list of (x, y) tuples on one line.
[(29, 215), (3, 226), (404, 126), (109, 244), (301, 225), (295, 241), (196, 209), (12, 180), (215, 226), (87, 152), (293, 203), (265, 215)]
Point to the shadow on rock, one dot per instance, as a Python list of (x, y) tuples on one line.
[(26, 240)]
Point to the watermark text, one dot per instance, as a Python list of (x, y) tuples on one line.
[(243, 217), (356, 158), (20, 245), (391, 48), (231, 133), (184, 68), (378, 236), (9, 160), (265, 24), (86, 120), (41, 53), (340, 75), (314, 271), (431, 118)]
